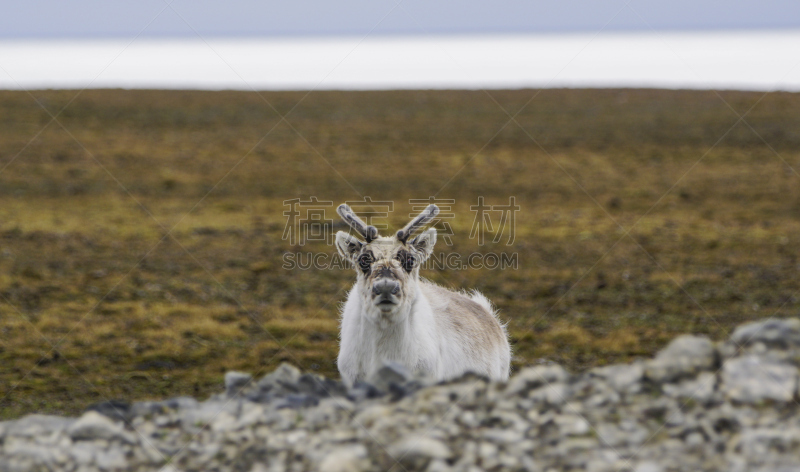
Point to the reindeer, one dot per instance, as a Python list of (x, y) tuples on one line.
[(392, 314)]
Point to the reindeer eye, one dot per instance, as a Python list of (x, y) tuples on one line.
[(364, 261), (406, 260)]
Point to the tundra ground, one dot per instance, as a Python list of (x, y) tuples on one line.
[(142, 248)]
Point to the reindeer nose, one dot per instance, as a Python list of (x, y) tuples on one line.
[(385, 287)]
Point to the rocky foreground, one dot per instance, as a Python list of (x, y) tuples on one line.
[(696, 406)]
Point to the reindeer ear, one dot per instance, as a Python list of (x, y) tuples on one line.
[(424, 242), (347, 244)]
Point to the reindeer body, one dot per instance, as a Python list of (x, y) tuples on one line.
[(391, 314), (444, 335)]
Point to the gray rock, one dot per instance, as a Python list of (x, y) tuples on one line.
[(774, 333), (532, 378), (648, 466), (281, 381), (417, 451), (780, 467), (573, 425), (346, 459), (235, 382), (763, 442), (216, 413), (700, 389), (684, 357), (614, 418), (754, 379), (551, 394), (83, 453), (624, 378), (92, 425), (438, 465), (110, 459), (626, 433), (42, 454), (36, 425)]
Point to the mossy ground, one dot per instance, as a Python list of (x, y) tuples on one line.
[(141, 245)]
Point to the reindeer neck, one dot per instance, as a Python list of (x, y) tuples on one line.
[(396, 339)]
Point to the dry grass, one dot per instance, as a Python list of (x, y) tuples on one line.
[(100, 302)]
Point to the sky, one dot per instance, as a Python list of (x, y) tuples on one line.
[(236, 18)]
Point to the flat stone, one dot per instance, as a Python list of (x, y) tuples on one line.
[(552, 393), (40, 454), (534, 377), (573, 425), (754, 379), (92, 425), (625, 434), (35, 425), (415, 451), (502, 436), (570, 446), (83, 453), (786, 466), (345, 459), (684, 357), (438, 465), (206, 413), (648, 466), (761, 442), (110, 459), (296, 401), (700, 389), (624, 378), (775, 333)]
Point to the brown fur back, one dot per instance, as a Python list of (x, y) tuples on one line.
[(470, 320)]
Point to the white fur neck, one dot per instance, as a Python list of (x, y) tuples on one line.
[(373, 337)]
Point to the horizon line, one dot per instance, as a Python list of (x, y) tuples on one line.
[(400, 33)]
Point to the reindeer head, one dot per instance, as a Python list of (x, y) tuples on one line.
[(387, 267)]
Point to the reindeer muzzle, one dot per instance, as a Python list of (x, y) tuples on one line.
[(386, 289)]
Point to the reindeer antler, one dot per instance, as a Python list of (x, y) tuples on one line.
[(427, 214), (369, 232)]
